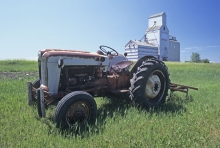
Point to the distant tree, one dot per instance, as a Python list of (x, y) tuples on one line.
[(205, 61), (195, 57)]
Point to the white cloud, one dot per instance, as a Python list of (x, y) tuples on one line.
[(184, 50), (196, 48), (190, 48)]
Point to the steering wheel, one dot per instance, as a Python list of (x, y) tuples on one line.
[(112, 51)]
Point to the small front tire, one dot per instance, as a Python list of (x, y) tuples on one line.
[(36, 83), (32, 95), (40, 103), (76, 108)]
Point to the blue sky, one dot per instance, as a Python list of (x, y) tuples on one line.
[(27, 26)]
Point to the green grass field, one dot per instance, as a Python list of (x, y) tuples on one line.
[(180, 122)]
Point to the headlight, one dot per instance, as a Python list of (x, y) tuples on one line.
[(60, 63), (39, 54)]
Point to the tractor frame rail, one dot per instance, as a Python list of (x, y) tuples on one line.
[(181, 88)]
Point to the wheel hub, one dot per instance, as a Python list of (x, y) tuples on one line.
[(153, 87), (77, 113)]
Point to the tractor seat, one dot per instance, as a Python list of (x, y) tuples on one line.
[(118, 67)]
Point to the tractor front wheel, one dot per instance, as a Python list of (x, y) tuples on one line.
[(32, 98), (76, 108), (149, 85)]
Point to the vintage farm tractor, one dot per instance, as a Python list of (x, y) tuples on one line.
[(72, 78)]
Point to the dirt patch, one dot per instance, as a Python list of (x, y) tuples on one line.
[(17, 75)]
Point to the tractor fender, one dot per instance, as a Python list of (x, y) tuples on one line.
[(139, 62)]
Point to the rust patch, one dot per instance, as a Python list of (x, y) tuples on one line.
[(55, 50), (121, 65), (70, 53), (114, 81), (45, 88), (181, 88)]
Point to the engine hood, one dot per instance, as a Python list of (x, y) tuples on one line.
[(69, 53)]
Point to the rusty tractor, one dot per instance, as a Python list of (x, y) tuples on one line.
[(73, 78)]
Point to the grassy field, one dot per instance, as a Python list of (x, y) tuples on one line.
[(180, 122), (18, 66)]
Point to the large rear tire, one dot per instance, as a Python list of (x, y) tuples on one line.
[(76, 108), (150, 84)]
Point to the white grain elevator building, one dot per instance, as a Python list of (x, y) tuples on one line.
[(157, 42)]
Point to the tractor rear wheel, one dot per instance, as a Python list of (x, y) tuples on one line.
[(149, 85), (76, 108)]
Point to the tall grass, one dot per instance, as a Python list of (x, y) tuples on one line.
[(180, 122)]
